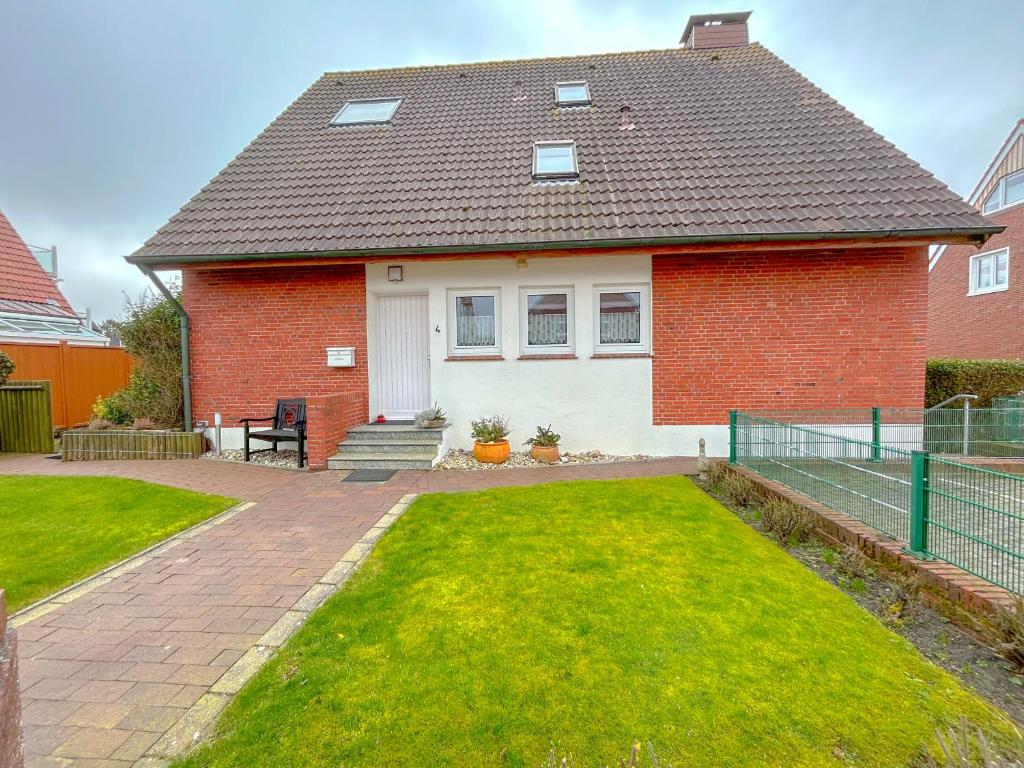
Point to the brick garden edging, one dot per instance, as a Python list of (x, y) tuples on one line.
[(197, 721), (966, 590), (11, 747)]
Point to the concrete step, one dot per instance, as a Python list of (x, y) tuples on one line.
[(356, 445), (399, 433), (380, 461)]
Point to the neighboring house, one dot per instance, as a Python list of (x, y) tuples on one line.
[(32, 307), (976, 296), (625, 246)]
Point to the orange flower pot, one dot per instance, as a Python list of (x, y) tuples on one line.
[(545, 454), (491, 453)]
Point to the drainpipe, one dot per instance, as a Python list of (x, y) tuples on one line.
[(186, 364)]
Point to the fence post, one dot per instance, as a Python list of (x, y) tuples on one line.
[(918, 545), (876, 434), (732, 437)]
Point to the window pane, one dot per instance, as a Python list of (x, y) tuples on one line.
[(555, 159), (474, 321), (620, 318), (1014, 188), (569, 93), (985, 272), (367, 111), (1002, 262), (547, 317), (992, 201)]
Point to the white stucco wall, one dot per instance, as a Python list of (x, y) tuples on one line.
[(602, 404)]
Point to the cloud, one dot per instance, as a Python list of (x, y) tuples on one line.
[(117, 112)]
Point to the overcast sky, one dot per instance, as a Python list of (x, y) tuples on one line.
[(114, 113)]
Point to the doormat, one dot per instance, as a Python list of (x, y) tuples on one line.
[(369, 476)]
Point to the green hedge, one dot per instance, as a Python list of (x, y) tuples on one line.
[(984, 378)]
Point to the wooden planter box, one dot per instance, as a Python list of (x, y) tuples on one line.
[(92, 445)]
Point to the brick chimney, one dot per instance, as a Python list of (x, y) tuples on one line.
[(716, 30)]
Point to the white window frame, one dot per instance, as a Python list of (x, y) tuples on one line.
[(527, 349), (972, 271), (641, 347), (1000, 192), (454, 350), (573, 174), (338, 121), (586, 101)]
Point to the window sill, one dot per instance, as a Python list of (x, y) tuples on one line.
[(627, 355), (986, 291), (569, 356), (472, 358)]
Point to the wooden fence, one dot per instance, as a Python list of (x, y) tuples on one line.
[(78, 375), (26, 425), (92, 445)]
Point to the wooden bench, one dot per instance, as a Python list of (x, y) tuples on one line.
[(288, 426)]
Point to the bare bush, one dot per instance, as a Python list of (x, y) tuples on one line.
[(786, 520)]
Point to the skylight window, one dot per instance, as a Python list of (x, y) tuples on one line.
[(555, 160), (576, 94), (366, 111)]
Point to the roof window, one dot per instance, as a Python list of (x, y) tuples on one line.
[(574, 94), (366, 112), (1008, 191), (555, 160)]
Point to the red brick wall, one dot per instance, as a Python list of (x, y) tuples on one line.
[(10, 703), (261, 334), (813, 329), (986, 326)]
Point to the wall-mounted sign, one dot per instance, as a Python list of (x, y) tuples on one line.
[(341, 357)]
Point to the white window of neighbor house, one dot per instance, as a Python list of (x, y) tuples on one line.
[(555, 160), (990, 272), (572, 94), (622, 319), (546, 321), (474, 322), (366, 111)]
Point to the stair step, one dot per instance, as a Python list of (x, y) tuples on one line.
[(398, 432), (380, 461), (356, 446)]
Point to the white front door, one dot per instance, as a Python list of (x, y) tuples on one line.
[(403, 355)]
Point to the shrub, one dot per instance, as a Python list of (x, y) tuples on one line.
[(984, 378), (101, 424), (141, 399), (717, 470), (854, 564), (149, 331), (790, 522), (545, 437), (6, 368), (490, 430), (1004, 629), (740, 490)]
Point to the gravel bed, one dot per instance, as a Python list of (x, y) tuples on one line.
[(463, 460), (283, 458)]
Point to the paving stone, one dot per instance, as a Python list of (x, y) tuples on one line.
[(92, 742), (149, 718), (284, 628), (242, 670), (97, 715)]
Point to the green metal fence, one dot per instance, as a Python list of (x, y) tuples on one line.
[(968, 515)]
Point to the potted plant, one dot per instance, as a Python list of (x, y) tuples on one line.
[(432, 418), (544, 447), (491, 440)]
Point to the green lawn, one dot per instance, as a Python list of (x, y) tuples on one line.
[(56, 530), (487, 627)]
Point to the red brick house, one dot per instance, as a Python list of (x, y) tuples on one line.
[(622, 245), (976, 295)]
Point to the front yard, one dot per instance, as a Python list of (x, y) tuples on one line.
[(56, 530), (494, 627)]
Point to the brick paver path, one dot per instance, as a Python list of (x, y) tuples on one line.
[(104, 676)]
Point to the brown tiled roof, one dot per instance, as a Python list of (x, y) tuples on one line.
[(727, 144), (25, 288)]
